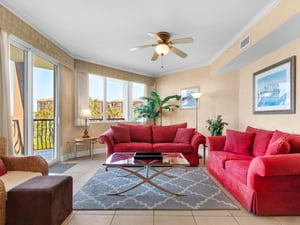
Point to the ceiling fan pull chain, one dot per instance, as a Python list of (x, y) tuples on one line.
[(162, 61)]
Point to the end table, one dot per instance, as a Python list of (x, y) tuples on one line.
[(82, 140)]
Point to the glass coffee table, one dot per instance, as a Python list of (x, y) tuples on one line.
[(126, 162)]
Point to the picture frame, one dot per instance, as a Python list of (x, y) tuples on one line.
[(274, 88), (187, 101)]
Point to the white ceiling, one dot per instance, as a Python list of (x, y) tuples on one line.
[(102, 31)]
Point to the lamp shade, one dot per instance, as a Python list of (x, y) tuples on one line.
[(85, 113), (162, 49), (196, 95)]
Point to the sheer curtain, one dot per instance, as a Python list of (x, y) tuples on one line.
[(81, 96), (5, 110)]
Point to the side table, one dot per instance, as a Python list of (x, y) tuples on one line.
[(81, 141)]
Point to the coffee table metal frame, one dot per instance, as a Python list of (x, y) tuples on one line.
[(126, 162)]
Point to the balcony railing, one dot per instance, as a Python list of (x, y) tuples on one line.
[(43, 134)]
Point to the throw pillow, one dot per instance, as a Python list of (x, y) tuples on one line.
[(3, 169), (139, 133), (166, 133), (120, 134), (239, 142), (279, 144), (184, 135), (261, 140)]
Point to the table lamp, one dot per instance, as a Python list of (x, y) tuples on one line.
[(85, 113)]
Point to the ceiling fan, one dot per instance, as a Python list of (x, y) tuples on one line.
[(164, 45)]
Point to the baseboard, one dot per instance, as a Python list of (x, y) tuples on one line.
[(81, 154)]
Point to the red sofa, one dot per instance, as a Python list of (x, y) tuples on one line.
[(151, 138), (260, 168)]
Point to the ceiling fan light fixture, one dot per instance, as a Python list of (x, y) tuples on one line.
[(162, 49)]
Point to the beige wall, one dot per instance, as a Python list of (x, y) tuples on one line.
[(231, 94), (227, 94), (280, 14), (220, 96), (15, 26), (68, 130), (284, 122)]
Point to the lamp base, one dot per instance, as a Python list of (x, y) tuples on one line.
[(85, 134)]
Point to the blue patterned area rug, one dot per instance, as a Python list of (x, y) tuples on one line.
[(199, 190)]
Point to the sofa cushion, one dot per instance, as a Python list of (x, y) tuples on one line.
[(238, 142), (3, 169), (220, 157), (133, 147), (13, 178), (166, 133), (172, 147), (139, 133), (184, 135), (238, 169), (261, 140), (278, 145), (120, 134)]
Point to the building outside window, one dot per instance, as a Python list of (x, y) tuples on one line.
[(113, 99)]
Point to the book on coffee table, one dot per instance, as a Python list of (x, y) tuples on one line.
[(148, 156)]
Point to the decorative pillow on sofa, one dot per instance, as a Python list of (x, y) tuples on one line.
[(139, 133), (239, 142), (184, 135), (294, 141), (261, 140), (120, 134), (3, 169), (279, 144), (166, 133)]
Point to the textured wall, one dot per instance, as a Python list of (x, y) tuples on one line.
[(220, 96)]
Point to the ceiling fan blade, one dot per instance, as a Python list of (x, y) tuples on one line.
[(155, 36), (182, 41), (155, 56), (143, 46), (178, 52)]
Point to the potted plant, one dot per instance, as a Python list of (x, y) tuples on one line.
[(216, 126), (154, 107)]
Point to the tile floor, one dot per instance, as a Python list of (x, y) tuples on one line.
[(86, 167)]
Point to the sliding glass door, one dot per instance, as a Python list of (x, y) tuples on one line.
[(33, 95)]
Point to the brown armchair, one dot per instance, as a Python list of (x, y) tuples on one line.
[(29, 163)]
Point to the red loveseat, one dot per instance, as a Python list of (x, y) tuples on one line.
[(151, 138), (260, 168)]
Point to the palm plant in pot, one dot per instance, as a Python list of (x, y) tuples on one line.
[(154, 106)]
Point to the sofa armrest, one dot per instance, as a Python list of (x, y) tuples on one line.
[(2, 203), (26, 163), (216, 143), (107, 139), (275, 165), (197, 139)]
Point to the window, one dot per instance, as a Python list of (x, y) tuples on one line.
[(113, 99), (138, 90)]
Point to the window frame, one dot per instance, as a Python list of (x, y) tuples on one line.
[(127, 98)]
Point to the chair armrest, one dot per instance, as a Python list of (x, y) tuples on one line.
[(197, 139), (216, 143), (2, 203), (275, 165), (107, 139), (27, 163)]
